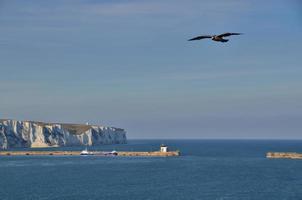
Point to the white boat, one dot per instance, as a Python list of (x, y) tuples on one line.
[(85, 152), (110, 153)]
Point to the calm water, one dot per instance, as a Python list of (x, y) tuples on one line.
[(208, 169)]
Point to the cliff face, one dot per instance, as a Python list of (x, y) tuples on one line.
[(15, 133)]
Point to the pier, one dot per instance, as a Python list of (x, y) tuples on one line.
[(92, 153), (152, 154), (163, 152), (284, 155)]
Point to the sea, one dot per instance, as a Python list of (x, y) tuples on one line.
[(206, 170)]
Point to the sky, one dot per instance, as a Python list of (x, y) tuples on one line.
[(128, 64)]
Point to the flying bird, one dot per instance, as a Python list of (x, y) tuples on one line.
[(216, 38)]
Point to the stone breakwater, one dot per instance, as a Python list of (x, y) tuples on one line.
[(152, 153), (284, 155), (92, 153), (15, 133)]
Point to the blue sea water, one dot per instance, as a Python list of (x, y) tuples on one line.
[(207, 169)]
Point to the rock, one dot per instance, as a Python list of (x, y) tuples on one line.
[(15, 133)]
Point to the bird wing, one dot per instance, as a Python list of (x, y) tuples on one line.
[(200, 37), (228, 34)]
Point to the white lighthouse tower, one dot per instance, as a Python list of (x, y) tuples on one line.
[(163, 148)]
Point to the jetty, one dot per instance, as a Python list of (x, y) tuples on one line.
[(163, 152), (284, 155)]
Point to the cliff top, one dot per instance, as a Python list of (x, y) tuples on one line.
[(73, 128)]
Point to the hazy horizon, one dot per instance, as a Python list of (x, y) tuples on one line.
[(128, 64)]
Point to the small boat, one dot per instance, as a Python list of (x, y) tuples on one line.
[(85, 152), (111, 153), (114, 153)]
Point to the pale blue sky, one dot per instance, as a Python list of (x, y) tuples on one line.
[(128, 64)]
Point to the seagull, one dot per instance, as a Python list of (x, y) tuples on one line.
[(216, 38)]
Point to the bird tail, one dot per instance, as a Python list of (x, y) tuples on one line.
[(224, 40)]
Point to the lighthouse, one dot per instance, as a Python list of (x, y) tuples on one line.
[(163, 148)]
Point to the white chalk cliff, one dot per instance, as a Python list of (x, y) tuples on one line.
[(15, 133)]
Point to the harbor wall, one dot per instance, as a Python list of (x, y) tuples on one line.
[(153, 153), (284, 155), (93, 153)]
